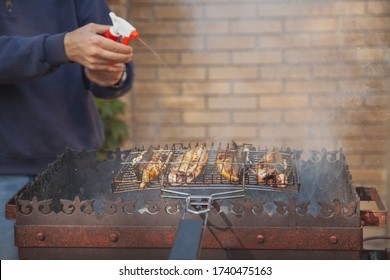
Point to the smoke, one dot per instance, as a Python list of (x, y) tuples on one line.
[(299, 73), (291, 73)]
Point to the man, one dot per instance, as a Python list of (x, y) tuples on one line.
[(52, 62)]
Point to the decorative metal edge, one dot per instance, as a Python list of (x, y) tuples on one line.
[(175, 206)]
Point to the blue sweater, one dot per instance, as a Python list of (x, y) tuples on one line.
[(46, 103)]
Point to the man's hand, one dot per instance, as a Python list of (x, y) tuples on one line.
[(96, 52), (106, 78)]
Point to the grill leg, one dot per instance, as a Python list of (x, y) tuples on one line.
[(188, 240)]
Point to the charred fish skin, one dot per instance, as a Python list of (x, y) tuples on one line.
[(272, 169), (188, 166), (231, 163), (227, 167), (153, 163)]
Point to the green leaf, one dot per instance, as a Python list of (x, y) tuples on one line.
[(115, 130)]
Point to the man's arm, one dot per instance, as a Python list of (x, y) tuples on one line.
[(27, 58)]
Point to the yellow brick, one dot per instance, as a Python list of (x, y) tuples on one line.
[(364, 54), (354, 160), (311, 55), (257, 117), (284, 9), (283, 132), (232, 132), (381, 131), (285, 72), (368, 175), (336, 100), (156, 117), (140, 13), (364, 86), (378, 39), (377, 100), (232, 103), (378, 7), (305, 8), (183, 103), (343, 131), (310, 116), (182, 133), (309, 143), (257, 57), (182, 73), (283, 102), (283, 40), (377, 160), (364, 23), (230, 10), (334, 71), (310, 86), (206, 88), (380, 70), (169, 88), (145, 102), (203, 27), (363, 146), (338, 8), (342, 40), (231, 73), (366, 117), (311, 25), (372, 54), (232, 42), (256, 26), (206, 58), (258, 87), (177, 12), (117, 9), (206, 117), (144, 57), (144, 73), (162, 28), (174, 43), (146, 134)]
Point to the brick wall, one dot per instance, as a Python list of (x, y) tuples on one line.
[(291, 73)]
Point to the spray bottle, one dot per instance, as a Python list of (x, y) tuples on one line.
[(121, 31)]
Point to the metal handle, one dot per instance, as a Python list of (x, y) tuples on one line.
[(188, 240), (204, 202), (374, 217), (10, 207)]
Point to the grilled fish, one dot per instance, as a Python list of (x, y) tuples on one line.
[(186, 167), (271, 169), (152, 164), (229, 163)]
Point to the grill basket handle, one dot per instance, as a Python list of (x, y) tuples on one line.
[(373, 217)]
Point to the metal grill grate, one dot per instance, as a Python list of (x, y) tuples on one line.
[(244, 167)]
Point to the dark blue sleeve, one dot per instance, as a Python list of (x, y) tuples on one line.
[(111, 92), (25, 58), (40, 55)]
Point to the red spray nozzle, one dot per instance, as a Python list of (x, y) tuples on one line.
[(121, 30)]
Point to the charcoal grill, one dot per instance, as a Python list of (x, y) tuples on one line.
[(76, 210), (200, 193)]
